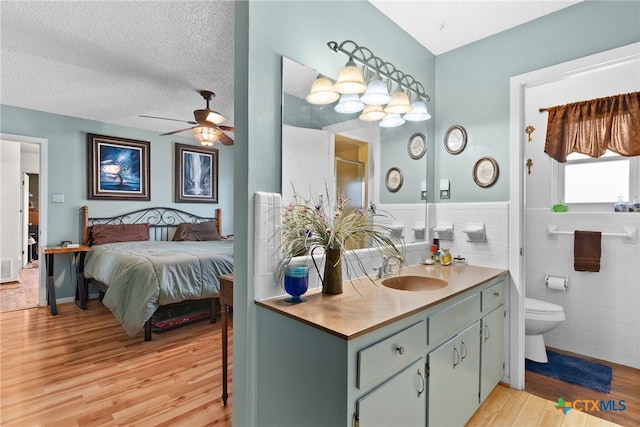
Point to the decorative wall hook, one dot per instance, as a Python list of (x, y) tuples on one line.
[(529, 130)]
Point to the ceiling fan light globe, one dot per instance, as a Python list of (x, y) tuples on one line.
[(206, 135)]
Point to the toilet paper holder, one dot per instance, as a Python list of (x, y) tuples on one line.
[(560, 283)]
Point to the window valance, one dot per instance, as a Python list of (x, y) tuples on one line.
[(591, 127)]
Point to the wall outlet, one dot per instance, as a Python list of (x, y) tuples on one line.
[(57, 198)]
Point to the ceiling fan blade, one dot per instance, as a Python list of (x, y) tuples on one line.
[(225, 140), (227, 128), (191, 122), (175, 131)]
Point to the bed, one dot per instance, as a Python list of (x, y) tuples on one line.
[(139, 268)]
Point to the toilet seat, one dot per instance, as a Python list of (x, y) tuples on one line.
[(536, 306)]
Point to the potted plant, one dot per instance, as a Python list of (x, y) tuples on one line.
[(309, 225)]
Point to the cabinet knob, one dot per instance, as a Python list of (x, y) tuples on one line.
[(400, 349), (496, 294)]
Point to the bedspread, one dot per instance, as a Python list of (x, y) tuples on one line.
[(144, 275)]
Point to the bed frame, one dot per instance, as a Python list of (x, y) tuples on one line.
[(162, 224)]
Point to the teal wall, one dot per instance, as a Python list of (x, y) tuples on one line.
[(472, 83), (68, 173), (472, 90), (300, 30)]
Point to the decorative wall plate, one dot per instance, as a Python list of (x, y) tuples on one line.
[(485, 172), (394, 179), (455, 140), (417, 145)]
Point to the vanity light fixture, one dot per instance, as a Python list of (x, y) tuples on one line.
[(349, 103), (419, 112), (350, 80), (206, 135), (399, 104), (322, 92), (372, 113), (392, 120), (376, 93)]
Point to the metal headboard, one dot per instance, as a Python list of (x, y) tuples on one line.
[(162, 221)]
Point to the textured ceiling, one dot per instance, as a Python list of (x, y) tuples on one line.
[(111, 61)]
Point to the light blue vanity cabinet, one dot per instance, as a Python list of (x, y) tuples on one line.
[(454, 378), (492, 339), (400, 401), (425, 368)]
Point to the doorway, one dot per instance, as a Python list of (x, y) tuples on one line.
[(351, 166), (521, 114), (22, 250)]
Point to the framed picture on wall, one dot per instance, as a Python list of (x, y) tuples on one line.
[(118, 168), (196, 175)]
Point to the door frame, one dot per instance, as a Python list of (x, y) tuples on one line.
[(42, 203), (518, 86)]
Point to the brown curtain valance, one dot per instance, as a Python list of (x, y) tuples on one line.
[(591, 127)]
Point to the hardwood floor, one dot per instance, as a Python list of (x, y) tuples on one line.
[(80, 369), (22, 294), (625, 385), (506, 407)]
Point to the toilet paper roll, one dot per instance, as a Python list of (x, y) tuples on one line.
[(559, 283)]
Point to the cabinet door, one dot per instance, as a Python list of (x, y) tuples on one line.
[(453, 381), (492, 351), (400, 401)]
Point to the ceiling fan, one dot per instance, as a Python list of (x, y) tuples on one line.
[(207, 127)]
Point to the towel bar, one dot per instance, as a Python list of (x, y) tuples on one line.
[(630, 234)]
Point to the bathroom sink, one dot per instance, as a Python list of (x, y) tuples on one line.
[(414, 283)]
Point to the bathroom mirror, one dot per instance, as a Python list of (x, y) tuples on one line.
[(327, 152)]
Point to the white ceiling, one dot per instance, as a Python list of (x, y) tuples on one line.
[(112, 61)]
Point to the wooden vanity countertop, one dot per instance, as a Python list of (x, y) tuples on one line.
[(364, 306)]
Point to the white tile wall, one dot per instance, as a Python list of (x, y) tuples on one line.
[(601, 308), (495, 216)]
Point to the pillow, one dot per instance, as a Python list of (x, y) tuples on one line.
[(197, 231), (109, 233)]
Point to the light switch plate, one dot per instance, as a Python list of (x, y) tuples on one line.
[(57, 198)]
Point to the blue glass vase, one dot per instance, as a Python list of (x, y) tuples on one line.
[(296, 282)]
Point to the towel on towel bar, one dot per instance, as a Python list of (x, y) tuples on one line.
[(587, 250)]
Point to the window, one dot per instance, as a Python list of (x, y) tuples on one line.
[(598, 181)]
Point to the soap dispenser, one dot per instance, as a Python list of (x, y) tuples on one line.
[(445, 257)]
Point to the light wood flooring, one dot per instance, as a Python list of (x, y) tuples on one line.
[(22, 294), (80, 369), (625, 385)]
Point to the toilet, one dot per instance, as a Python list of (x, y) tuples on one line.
[(539, 318)]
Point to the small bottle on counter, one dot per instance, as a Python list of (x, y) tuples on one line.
[(445, 257)]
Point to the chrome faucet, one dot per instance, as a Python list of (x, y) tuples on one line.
[(386, 268)]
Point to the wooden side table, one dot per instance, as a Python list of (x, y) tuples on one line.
[(226, 301), (81, 294)]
